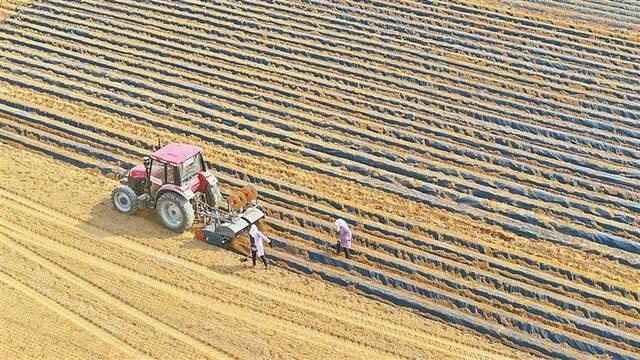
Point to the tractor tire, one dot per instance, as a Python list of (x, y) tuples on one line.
[(175, 212), (124, 200), (213, 196)]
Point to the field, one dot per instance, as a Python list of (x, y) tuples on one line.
[(486, 154)]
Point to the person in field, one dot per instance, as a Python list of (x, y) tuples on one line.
[(257, 245), (344, 238)]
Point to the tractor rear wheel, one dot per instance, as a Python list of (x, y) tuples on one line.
[(124, 199), (175, 212)]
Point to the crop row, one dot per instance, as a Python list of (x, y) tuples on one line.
[(478, 43), (617, 18), (218, 18), (601, 145), (524, 23), (105, 57), (402, 223), (319, 150), (437, 142), (278, 185), (430, 292)]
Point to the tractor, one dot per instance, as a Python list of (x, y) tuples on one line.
[(175, 182)]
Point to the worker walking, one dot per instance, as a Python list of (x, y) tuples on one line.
[(344, 238), (257, 247)]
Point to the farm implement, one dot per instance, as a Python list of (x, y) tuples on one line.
[(175, 182)]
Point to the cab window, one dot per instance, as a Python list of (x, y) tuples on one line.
[(172, 175), (191, 167), (157, 170)]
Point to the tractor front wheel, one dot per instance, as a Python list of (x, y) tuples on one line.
[(124, 200), (175, 212)]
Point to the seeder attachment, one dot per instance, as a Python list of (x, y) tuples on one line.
[(243, 211)]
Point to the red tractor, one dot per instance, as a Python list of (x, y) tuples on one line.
[(175, 182)]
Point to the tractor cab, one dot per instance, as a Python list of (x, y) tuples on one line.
[(177, 165), (175, 182)]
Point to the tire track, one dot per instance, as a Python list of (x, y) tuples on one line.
[(319, 306), (71, 316), (156, 283), (111, 300), (200, 301), (222, 307)]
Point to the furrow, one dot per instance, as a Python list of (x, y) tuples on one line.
[(465, 44), (490, 13), (302, 56), (556, 177), (306, 20), (419, 67), (422, 196), (467, 190), (437, 143)]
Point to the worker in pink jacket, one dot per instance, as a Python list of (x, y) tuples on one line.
[(257, 247), (344, 238)]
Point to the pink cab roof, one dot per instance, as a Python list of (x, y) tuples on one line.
[(175, 153)]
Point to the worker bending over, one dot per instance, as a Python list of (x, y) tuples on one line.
[(344, 238), (257, 247)]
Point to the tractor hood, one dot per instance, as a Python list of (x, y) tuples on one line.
[(137, 172)]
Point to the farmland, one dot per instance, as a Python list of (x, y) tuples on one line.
[(487, 156)]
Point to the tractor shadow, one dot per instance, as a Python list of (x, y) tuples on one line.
[(144, 225)]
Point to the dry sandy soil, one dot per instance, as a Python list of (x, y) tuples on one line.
[(486, 154), (79, 280)]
